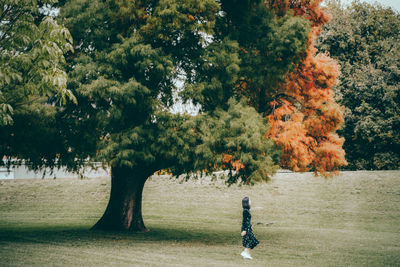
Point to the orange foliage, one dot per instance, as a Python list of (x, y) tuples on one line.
[(243, 50), (304, 123), (310, 9), (162, 172), (236, 165)]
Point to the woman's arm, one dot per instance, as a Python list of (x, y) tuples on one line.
[(245, 222)]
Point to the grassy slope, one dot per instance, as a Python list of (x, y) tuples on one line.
[(351, 220)]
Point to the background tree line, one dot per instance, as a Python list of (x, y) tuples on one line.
[(365, 40)]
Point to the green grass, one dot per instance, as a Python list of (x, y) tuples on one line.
[(350, 220)]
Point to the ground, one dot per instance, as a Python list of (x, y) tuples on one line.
[(300, 220)]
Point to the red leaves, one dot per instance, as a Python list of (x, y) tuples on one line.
[(310, 9), (243, 50), (236, 165), (305, 128)]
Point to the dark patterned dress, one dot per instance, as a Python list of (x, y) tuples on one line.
[(249, 240)]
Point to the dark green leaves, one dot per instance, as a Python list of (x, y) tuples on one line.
[(365, 41)]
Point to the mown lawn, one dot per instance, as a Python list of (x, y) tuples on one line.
[(350, 220)]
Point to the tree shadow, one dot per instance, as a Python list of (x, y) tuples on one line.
[(81, 236)]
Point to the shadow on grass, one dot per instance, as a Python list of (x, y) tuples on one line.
[(80, 236)]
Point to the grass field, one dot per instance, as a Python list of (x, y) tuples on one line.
[(351, 220)]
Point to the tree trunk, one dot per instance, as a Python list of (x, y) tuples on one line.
[(124, 209)]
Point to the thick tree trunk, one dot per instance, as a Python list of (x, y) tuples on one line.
[(124, 209)]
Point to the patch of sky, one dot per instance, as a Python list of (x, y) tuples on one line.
[(48, 10), (179, 106), (394, 4)]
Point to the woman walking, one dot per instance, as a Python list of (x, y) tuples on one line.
[(249, 241)]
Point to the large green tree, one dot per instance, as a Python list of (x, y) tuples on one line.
[(365, 40), (232, 58), (127, 60)]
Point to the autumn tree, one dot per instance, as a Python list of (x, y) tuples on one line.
[(234, 58), (286, 79), (364, 39)]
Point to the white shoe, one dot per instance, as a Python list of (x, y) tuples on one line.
[(246, 255)]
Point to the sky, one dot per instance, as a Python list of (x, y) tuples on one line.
[(395, 4)]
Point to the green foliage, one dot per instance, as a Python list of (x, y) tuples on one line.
[(365, 40), (29, 137), (216, 77), (201, 143), (31, 57), (239, 131), (252, 51)]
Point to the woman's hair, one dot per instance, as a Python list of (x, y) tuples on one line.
[(245, 203)]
